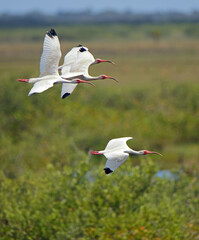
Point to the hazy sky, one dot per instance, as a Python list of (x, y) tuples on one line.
[(49, 6)]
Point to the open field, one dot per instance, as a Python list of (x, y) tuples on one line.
[(44, 140)]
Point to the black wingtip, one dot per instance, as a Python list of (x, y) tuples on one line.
[(80, 45), (108, 170), (51, 33), (65, 95), (82, 49)]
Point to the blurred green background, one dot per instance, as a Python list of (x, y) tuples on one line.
[(50, 188)]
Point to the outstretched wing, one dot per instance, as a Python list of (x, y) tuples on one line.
[(114, 160), (117, 143), (83, 61), (51, 54), (41, 86), (69, 59), (67, 89)]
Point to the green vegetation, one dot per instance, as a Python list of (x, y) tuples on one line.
[(105, 32), (70, 204), (50, 188)]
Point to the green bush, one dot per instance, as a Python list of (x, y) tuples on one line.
[(83, 203)]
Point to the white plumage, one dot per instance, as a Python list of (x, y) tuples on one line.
[(69, 59), (83, 61), (117, 151), (51, 55), (76, 64), (49, 66), (118, 144)]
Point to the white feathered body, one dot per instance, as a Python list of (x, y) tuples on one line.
[(116, 153)]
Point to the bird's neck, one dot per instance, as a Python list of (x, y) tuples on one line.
[(88, 77), (133, 152)]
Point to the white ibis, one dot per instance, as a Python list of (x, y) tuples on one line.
[(76, 64), (117, 151), (49, 66)]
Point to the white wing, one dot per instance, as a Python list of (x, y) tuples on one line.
[(67, 89), (51, 54), (41, 86), (78, 68), (117, 144), (82, 63), (115, 159), (69, 58)]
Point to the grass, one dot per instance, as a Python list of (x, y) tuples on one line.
[(44, 141)]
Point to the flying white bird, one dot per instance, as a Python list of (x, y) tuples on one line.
[(76, 64), (71, 56), (117, 151), (49, 66)]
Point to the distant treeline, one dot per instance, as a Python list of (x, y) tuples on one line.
[(87, 17)]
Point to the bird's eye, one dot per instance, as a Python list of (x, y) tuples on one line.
[(82, 49)]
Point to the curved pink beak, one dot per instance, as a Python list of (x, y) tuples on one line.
[(114, 79), (105, 77), (98, 60), (23, 80), (149, 152)]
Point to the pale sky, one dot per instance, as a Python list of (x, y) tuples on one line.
[(48, 6)]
